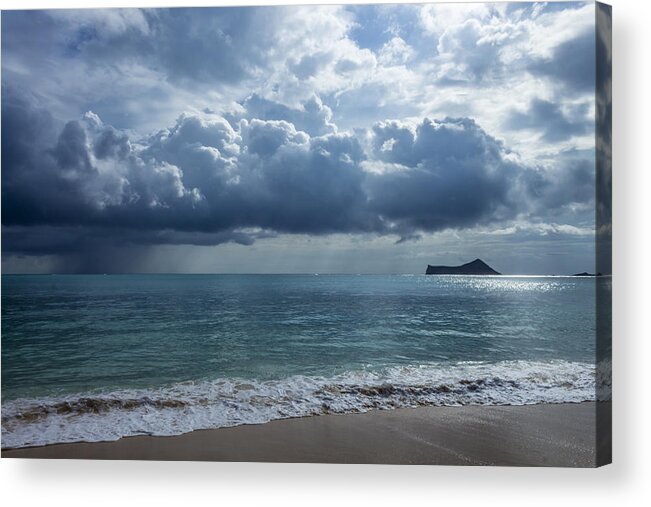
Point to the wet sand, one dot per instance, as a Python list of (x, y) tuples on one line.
[(534, 435)]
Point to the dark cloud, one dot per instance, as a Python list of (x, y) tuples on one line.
[(570, 181), (316, 187), (548, 118), (70, 152), (87, 241), (81, 187), (36, 126), (572, 64), (94, 194), (264, 138), (201, 175), (30, 142), (112, 144), (454, 176)]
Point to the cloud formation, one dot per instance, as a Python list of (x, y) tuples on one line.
[(550, 121), (125, 128), (206, 180)]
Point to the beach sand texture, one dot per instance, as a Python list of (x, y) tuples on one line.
[(561, 435)]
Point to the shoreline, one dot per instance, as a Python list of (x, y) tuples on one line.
[(562, 435)]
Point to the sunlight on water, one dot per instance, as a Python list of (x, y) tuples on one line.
[(107, 356)]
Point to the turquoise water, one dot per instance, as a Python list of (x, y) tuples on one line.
[(99, 357)]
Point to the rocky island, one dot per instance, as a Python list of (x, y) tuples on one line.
[(476, 267)]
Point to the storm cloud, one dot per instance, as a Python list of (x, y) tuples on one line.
[(573, 63), (553, 124), (126, 129), (206, 180)]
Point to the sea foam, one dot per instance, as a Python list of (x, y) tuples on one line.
[(184, 407)]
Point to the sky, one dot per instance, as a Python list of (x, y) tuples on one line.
[(314, 139)]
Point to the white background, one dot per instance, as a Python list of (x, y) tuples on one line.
[(626, 482)]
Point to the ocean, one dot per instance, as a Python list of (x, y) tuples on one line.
[(100, 357)]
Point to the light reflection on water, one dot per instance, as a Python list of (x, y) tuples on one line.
[(75, 333)]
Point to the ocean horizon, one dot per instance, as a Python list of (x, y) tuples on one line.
[(101, 357)]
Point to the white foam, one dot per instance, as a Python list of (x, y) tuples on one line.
[(185, 407)]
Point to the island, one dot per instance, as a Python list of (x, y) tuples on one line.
[(476, 267), (585, 273)]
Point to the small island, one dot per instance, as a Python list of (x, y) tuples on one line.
[(585, 273), (476, 267)]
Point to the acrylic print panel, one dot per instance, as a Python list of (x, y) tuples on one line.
[(346, 234)]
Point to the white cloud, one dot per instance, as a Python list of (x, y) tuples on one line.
[(437, 18), (396, 52)]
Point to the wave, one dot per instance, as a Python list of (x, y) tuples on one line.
[(188, 406)]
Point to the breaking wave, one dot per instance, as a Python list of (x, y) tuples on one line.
[(187, 406)]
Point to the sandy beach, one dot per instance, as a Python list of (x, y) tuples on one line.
[(562, 435)]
